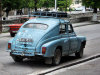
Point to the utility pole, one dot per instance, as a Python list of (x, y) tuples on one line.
[(0, 18), (55, 5)]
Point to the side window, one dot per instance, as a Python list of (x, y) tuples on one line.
[(70, 28), (62, 28)]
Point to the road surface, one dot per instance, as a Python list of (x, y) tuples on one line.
[(9, 67)]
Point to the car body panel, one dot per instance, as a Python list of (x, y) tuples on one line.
[(30, 41)]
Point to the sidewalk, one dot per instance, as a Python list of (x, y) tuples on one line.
[(4, 34), (82, 24), (91, 67)]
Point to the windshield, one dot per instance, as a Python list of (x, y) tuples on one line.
[(36, 26)]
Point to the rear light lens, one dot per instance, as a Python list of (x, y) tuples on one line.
[(9, 45), (43, 50)]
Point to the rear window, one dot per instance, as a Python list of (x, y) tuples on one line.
[(36, 26)]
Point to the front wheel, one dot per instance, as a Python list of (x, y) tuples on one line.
[(57, 57), (80, 53)]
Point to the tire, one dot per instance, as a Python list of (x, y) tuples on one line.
[(17, 59), (80, 53), (57, 57), (12, 34)]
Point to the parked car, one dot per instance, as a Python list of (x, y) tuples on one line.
[(79, 8), (89, 9), (47, 38), (15, 27)]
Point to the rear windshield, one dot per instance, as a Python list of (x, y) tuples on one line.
[(36, 26)]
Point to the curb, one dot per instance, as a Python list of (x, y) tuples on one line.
[(82, 25), (69, 65), (92, 23)]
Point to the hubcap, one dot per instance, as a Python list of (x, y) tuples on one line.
[(57, 57)]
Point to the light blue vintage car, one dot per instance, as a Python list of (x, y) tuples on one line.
[(47, 38)]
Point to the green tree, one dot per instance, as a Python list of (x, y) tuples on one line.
[(8, 5), (48, 3), (64, 4), (32, 4), (94, 4)]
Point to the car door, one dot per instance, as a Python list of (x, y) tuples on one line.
[(73, 39), (64, 38)]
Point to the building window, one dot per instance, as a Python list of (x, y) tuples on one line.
[(77, 1)]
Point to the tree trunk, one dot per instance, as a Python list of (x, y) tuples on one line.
[(94, 18), (29, 12), (95, 10), (36, 5), (7, 13), (35, 9), (66, 7)]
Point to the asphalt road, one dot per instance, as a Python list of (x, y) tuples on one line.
[(9, 67)]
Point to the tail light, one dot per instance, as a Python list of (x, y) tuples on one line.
[(43, 50), (9, 45)]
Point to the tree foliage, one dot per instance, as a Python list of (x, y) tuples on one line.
[(64, 4), (48, 3), (11, 4), (8, 5), (92, 3), (33, 4), (18, 4)]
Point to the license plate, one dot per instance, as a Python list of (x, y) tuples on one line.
[(14, 31)]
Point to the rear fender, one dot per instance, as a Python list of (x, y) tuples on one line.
[(51, 47)]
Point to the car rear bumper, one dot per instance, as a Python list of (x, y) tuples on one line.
[(25, 53), (30, 57)]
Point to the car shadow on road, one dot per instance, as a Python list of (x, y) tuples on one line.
[(30, 66), (41, 64)]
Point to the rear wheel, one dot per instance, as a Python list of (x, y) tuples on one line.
[(17, 59), (80, 53), (57, 57)]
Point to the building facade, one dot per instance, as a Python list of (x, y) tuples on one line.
[(76, 3)]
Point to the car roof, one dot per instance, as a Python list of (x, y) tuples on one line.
[(48, 21)]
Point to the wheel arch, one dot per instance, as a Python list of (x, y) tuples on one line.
[(83, 44), (59, 47)]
